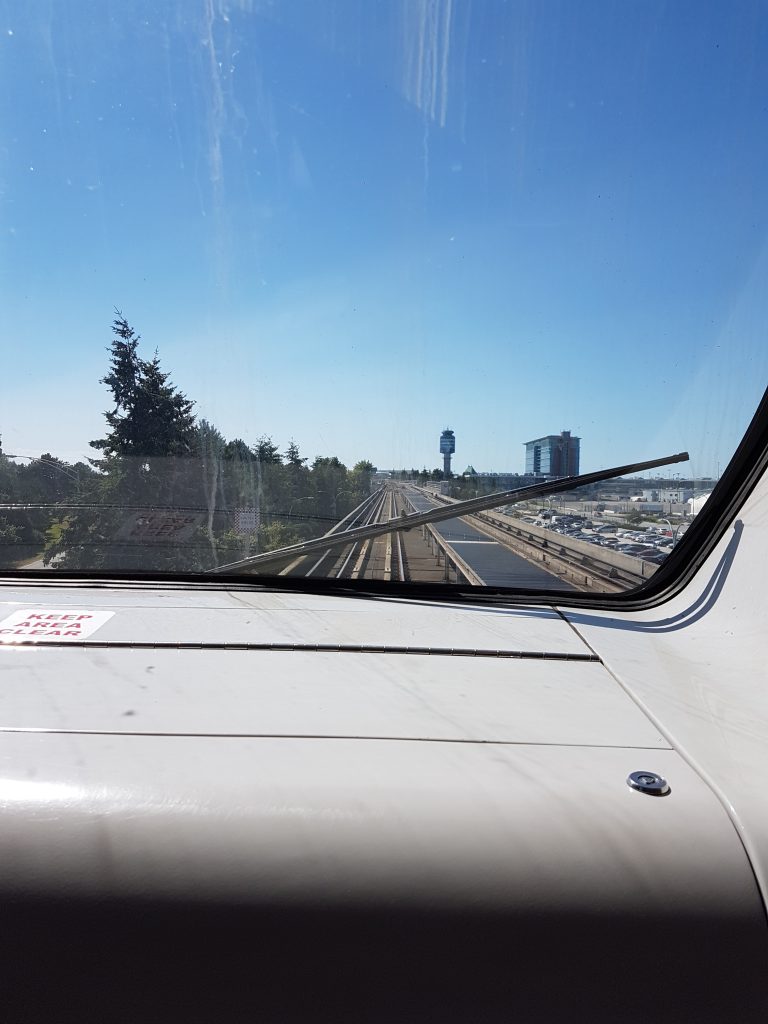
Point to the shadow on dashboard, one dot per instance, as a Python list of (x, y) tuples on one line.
[(703, 604)]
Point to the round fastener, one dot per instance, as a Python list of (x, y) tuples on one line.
[(648, 782)]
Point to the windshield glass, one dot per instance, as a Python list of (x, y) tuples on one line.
[(276, 270)]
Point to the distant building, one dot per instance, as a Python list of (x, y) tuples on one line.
[(447, 448), (553, 455), (677, 495), (698, 501)]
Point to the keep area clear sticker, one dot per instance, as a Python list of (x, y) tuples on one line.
[(56, 624)]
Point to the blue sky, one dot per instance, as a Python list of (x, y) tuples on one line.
[(356, 223)]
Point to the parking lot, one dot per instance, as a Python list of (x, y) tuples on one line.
[(651, 544)]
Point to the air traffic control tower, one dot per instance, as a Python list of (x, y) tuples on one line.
[(447, 448)]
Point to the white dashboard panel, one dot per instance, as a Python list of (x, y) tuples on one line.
[(209, 616), (303, 693), (358, 821)]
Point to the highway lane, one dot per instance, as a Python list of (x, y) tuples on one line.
[(492, 561)]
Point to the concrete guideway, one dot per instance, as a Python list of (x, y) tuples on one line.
[(491, 561), (590, 569), (412, 555)]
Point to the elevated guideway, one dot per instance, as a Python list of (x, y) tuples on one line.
[(493, 563), (586, 568), (399, 556)]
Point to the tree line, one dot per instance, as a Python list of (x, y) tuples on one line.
[(166, 491)]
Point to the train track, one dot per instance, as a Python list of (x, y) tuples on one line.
[(395, 560), (377, 558)]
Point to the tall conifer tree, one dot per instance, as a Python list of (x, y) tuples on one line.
[(151, 430)]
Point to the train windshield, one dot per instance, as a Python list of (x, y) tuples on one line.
[(284, 281)]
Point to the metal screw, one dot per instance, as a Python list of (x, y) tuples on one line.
[(648, 782)]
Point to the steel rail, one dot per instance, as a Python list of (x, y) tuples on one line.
[(390, 540), (400, 558), (357, 513), (366, 545), (371, 515)]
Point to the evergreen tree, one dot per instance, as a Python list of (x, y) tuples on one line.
[(151, 416), (151, 430), (297, 493), (361, 479), (330, 486), (292, 455), (238, 450), (267, 452)]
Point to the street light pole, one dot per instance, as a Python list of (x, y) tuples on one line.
[(343, 490), (307, 497), (673, 529)]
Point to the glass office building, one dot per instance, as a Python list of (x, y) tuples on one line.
[(553, 455)]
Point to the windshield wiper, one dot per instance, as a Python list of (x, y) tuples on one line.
[(335, 539)]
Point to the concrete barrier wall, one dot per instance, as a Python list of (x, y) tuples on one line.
[(601, 560), (452, 560)]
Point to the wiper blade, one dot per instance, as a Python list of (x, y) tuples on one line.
[(436, 515)]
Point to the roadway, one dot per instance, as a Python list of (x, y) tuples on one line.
[(496, 565)]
